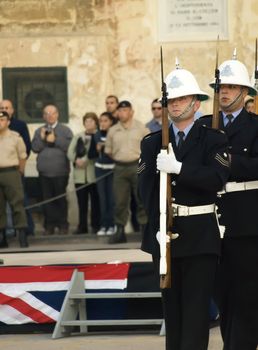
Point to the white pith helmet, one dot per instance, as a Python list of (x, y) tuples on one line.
[(180, 82), (234, 72)]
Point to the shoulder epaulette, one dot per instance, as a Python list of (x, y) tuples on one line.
[(205, 116), (214, 130), (151, 134)]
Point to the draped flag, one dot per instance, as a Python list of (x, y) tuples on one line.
[(35, 294)]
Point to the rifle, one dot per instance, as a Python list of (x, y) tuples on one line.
[(215, 116), (166, 216), (256, 79)]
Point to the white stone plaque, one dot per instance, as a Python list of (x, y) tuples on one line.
[(192, 20)]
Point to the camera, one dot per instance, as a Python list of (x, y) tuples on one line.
[(48, 130)]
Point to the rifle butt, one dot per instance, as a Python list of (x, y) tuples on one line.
[(165, 280)]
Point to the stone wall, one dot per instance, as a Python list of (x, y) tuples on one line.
[(111, 47)]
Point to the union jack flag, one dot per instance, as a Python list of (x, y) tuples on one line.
[(35, 294)]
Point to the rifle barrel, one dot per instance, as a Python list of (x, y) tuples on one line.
[(256, 79), (165, 280)]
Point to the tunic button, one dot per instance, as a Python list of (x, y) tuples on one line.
[(245, 149), (173, 183)]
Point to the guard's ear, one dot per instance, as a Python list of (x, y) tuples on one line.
[(197, 105), (244, 91)]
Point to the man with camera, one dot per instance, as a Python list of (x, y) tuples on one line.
[(51, 142)]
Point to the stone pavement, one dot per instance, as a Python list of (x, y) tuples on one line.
[(94, 342), (72, 249)]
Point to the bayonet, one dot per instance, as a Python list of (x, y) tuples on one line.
[(215, 116)]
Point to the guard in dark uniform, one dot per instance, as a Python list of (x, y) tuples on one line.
[(198, 162), (238, 205)]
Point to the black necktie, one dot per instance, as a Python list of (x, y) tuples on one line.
[(230, 120), (181, 140)]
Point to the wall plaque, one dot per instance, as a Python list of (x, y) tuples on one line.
[(192, 20)]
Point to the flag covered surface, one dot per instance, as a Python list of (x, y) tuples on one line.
[(35, 294)]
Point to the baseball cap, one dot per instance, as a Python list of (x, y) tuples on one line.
[(124, 104)]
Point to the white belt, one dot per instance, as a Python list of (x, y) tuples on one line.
[(239, 186), (183, 210)]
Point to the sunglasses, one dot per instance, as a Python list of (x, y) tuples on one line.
[(153, 108)]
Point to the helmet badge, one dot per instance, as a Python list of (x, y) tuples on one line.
[(175, 83), (227, 71)]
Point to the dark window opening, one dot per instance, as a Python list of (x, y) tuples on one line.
[(32, 88)]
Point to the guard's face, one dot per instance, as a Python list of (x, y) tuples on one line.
[(50, 115), (181, 107), (4, 123), (231, 97), (125, 114)]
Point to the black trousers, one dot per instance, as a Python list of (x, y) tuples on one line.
[(238, 297), (55, 212), (83, 196), (186, 304)]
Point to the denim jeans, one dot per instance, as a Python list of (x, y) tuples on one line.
[(106, 197)]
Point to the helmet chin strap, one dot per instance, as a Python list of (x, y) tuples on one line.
[(235, 100), (183, 114)]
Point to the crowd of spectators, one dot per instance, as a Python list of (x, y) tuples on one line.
[(102, 159)]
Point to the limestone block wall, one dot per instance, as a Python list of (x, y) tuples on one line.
[(112, 47)]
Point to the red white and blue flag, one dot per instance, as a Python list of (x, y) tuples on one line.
[(35, 294)]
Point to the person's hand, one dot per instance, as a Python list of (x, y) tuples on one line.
[(168, 238), (22, 163), (43, 133), (80, 163), (168, 163), (21, 169), (51, 137)]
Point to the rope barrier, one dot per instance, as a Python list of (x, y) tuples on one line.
[(52, 199)]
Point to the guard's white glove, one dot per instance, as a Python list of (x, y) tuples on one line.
[(168, 163), (168, 239)]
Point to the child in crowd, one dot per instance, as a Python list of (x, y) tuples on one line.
[(104, 166)]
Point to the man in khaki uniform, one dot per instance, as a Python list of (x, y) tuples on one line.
[(12, 164), (123, 145)]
